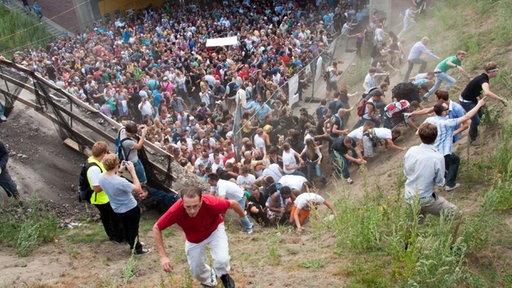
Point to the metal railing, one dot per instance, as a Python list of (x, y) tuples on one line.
[(74, 119)]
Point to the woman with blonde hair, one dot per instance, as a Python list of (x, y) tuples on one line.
[(313, 159), (120, 193)]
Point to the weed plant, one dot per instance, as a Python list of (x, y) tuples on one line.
[(129, 269), (27, 224), (439, 251)]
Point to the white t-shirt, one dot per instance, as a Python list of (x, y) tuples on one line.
[(94, 173), (368, 81), (259, 143), (273, 171), (293, 181), (230, 189), (216, 166), (245, 180), (289, 160), (302, 201), (383, 133), (356, 134), (145, 108), (308, 136)]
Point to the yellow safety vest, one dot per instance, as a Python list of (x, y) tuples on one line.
[(97, 197)]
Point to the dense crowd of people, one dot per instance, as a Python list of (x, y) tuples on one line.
[(152, 67)]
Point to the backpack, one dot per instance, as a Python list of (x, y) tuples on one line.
[(84, 187), (393, 109), (120, 151), (362, 107), (404, 90)]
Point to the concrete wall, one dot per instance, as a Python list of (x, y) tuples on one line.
[(85, 13)]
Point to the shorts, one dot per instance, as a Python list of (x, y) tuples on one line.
[(332, 86), (303, 214)]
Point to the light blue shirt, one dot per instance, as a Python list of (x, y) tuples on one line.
[(119, 192), (445, 128), (419, 48), (456, 111), (424, 168)]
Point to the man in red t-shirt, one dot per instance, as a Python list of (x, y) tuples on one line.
[(200, 218)]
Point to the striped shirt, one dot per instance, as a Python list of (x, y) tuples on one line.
[(445, 129)]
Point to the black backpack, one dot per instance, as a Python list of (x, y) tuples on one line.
[(404, 91), (84, 187)]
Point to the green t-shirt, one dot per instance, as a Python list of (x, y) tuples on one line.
[(445, 67)]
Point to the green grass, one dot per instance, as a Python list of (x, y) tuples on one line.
[(90, 233), (26, 225), (426, 255), (17, 30)]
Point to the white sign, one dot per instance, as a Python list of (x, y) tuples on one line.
[(226, 41), (318, 68)]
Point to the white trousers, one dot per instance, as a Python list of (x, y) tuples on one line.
[(219, 250)]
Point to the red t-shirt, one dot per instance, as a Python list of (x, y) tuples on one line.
[(199, 228)]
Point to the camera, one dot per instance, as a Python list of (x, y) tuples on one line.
[(124, 163)]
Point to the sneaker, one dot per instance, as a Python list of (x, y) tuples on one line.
[(474, 143), (142, 251), (450, 188), (349, 180), (249, 231), (3, 118), (227, 281)]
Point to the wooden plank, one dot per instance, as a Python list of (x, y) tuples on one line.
[(72, 143)]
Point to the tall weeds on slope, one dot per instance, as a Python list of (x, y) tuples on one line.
[(18, 30), (437, 252), (25, 225)]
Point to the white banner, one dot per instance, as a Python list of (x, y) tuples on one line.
[(319, 71), (226, 41), (293, 87)]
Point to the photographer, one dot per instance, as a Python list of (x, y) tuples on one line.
[(133, 144), (119, 192)]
